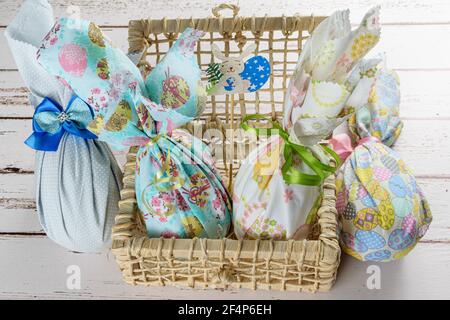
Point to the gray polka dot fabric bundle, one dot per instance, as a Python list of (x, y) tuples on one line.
[(78, 184)]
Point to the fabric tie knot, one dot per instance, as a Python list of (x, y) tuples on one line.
[(342, 144), (292, 175)]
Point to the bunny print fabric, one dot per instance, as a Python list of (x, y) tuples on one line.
[(384, 212), (178, 191)]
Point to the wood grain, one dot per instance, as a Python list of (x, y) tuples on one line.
[(118, 12), (407, 46)]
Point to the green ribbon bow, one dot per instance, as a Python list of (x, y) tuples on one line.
[(290, 174)]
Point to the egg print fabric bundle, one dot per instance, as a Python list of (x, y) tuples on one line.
[(77, 177), (271, 201), (178, 191), (384, 212)]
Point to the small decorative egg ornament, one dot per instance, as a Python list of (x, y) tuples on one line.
[(175, 91), (257, 72)]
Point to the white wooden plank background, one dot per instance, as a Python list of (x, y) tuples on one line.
[(415, 36)]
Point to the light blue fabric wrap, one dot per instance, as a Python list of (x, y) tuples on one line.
[(77, 187)]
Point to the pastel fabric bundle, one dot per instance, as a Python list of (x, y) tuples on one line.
[(77, 186), (322, 82), (264, 205), (177, 189), (267, 202), (384, 212)]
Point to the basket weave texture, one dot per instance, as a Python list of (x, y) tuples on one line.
[(306, 265)]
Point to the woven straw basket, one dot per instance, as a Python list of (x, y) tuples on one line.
[(306, 265)]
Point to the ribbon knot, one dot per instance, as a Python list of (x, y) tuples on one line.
[(63, 117), (291, 175), (342, 144), (50, 121)]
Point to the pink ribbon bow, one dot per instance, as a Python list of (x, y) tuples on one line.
[(343, 146)]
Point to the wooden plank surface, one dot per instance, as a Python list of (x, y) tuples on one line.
[(423, 274), (116, 12), (414, 37), (13, 133), (415, 42)]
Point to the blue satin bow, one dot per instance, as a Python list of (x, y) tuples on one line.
[(50, 121)]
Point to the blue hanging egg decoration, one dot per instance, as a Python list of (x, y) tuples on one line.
[(257, 72)]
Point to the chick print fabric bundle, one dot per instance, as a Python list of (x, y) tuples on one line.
[(77, 184), (177, 188), (383, 210), (322, 92), (264, 205)]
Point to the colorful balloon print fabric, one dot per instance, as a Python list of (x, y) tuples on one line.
[(384, 212), (177, 188)]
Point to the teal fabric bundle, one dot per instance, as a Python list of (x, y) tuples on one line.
[(177, 188)]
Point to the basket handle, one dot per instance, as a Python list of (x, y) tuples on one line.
[(216, 10)]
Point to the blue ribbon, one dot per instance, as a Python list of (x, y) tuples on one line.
[(50, 121)]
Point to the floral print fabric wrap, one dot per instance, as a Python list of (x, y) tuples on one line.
[(264, 205), (383, 211), (177, 189)]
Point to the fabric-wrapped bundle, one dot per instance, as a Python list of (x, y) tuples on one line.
[(383, 211), (77, 178), (322, 82), (265, 204), (278, 187), (178, 191)]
